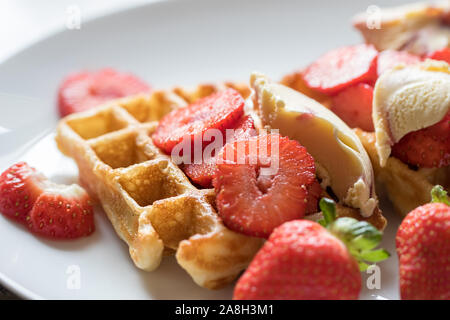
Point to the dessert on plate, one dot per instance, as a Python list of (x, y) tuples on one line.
[(214, 215), (395, 96)]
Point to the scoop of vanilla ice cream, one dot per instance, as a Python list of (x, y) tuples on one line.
[(407, 99)]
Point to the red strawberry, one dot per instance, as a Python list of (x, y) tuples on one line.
[(314, 194), (203, 173), (20, 186), (84, 90), (253, 199), (390, 58), (341, 68), (303, 260), (354, 106), (48, 209), (443, 54), (62, 213), (446, 18), (220, 111), (423, 247), (429, 147)]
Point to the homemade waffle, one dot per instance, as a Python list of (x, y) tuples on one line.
[(148, 199), (418, 28), (407, 188), (150, 202)]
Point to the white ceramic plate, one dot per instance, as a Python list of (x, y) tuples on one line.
[(166, 43)]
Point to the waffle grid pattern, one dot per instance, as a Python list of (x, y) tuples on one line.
[(151, 203)]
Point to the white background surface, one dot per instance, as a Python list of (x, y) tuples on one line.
[(168, 44), (25, 21)]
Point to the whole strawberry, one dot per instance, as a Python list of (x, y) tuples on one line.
[(303, 260), (423, 247)]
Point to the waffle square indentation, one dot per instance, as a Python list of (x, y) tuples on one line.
[(98, 124), (152, 181), (119, 150)]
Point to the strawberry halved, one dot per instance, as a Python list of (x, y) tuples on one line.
[(64, 212), (341, 68), (48, 209), (219, 111), (262, 182), (86, 89), (20, 186)]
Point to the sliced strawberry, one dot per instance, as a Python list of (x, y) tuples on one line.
[(390, 58), (62, 213), (203, 173), (314, 194), (86, 89), (341, 68), (443, 54), (354, 106), (20, 186), (429, 147), (218, 111), (262, 182)]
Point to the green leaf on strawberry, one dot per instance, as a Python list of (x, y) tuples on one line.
[(360, 237), (438, 194), (328, 210)]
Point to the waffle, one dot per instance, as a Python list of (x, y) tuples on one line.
[(418, 28), (148, 199), (150, 202), (407, 188)]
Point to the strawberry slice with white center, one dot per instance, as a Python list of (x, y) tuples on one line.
[(219, 111), (341, 68), (87, 89), (262, 182), (390, 58)]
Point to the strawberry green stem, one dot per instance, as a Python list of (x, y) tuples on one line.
[(438, 194), (360, 237)]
